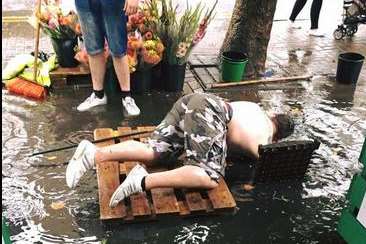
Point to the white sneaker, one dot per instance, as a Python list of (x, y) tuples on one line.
[(131, 185), (316, 32), (130, 107), (293, 25), (92, 101), (81, 161)]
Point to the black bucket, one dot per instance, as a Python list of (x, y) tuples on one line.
[(141, 81), (157, 78), (349, 67), (173, 76), (65, 51)]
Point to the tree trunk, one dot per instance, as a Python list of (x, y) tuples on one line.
[(249, 32)]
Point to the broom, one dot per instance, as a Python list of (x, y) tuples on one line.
[(25, 87)]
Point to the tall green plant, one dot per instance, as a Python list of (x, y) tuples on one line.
[(178, 32)]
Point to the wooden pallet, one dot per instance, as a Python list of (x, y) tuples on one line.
[(61, 75), (64, 72), (156, 202)]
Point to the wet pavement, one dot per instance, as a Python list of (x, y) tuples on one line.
[(290, 212)]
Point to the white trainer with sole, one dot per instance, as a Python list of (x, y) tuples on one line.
[(131, 185), (91, 102), (81, 161), (316, 33), (129, 107)]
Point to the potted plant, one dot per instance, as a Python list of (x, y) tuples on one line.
[(179, 34), (144, 50), (63, 30)]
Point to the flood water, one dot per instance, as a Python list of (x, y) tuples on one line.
[(289, 212)]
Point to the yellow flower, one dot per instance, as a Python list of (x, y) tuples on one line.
[(150, 44)]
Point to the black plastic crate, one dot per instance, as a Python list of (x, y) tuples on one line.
[(283, 161)]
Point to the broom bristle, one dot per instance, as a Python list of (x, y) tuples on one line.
[(26, 88)]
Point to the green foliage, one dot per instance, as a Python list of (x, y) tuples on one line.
[(177, 31)]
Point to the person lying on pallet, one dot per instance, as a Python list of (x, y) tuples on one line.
[(201, 125)]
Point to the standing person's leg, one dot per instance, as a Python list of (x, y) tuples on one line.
[(115, 22), (315, 12), (299, 5), (93, 33)]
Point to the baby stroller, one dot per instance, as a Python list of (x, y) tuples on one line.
[(354, 14)]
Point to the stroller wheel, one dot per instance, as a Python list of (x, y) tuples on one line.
[(338, 34)]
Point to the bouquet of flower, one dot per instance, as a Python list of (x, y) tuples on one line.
[(55, 23), (144, 48), (179, 34), (82, 55)]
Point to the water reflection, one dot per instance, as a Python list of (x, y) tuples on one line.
[(192, 234)]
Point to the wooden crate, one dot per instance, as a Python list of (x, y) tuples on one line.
[(156, 202)]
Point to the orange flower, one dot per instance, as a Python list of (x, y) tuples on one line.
[(64, 21), (130, 52), (78, 29), (136, 44)]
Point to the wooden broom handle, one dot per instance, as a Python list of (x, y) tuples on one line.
[(38, 11)]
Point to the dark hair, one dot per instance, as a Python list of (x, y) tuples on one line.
[(284, 125)]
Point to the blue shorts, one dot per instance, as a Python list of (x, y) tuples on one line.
[(102, 20)]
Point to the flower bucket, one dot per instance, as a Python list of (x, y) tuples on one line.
[(65, 51), (141, 81), (173, 76), (157, 81)]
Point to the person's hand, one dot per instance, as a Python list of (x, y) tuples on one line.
[(131, 6)]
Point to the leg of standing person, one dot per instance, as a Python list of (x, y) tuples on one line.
[(93, 33), (315, 12), (115, 22), (314, 15), (299, 5)]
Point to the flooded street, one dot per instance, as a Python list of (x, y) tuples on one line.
[(304, 211), (278, 213)]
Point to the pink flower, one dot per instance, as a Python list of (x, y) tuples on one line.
[(198, 37), (53, 23)]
